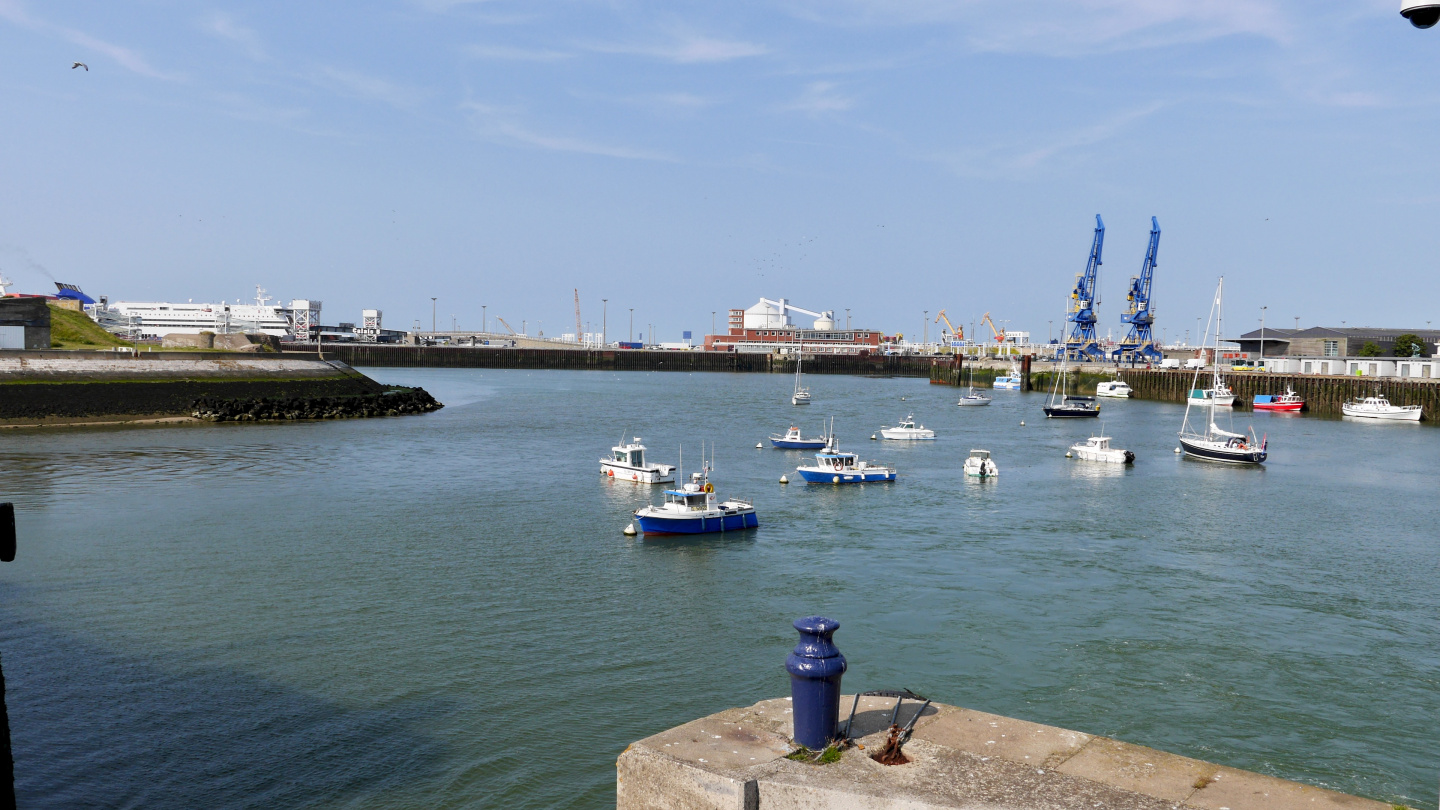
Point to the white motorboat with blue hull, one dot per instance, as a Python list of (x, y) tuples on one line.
[(792, 440), (694, 510), (835, 467)]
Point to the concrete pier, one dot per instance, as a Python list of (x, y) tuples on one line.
[(960, 758)]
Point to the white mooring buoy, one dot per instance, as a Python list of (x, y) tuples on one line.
[(784, 479), (1068, 454), (1178, 450), (872, 437), (630, 530), (1022, 424), (759, 445), (835, 480)]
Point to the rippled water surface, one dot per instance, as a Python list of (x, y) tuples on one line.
[(441, 611)]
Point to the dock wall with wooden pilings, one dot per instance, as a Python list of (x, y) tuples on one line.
[(621, 360), (1323, 394)]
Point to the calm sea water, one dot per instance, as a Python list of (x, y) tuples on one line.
[(441, 610)]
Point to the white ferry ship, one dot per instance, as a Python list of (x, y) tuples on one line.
[(154, 319)]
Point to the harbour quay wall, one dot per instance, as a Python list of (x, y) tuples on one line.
[(1323, 394), (958, 758), (64, 387), (622, 360)]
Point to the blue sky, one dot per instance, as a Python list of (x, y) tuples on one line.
[(890, 156)]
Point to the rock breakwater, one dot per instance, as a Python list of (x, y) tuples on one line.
[(398, 401)]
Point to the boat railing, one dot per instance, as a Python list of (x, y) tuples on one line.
[(746, 501)]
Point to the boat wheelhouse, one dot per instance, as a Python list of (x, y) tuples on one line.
[(627, 463), (981, 465)]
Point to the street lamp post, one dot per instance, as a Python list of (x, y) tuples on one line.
[(1262, 334), (847, 318), (925, 327), (712, 321), (604, 322), (432, 316), (484, 321), (632, 325)]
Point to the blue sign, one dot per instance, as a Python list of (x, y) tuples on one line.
[(685, 335)]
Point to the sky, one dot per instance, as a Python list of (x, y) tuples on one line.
[(892, 157)]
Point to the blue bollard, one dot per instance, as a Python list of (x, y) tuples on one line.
[(815, 667)]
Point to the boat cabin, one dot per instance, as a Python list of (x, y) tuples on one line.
[(836, 461), (1098, 442), (631, 454), (980, 454)]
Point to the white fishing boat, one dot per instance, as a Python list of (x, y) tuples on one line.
[(981, 465), (973, 397), (1209, 441), (627, 463), (801, 396), (1097, 448), (1010, 381), (907, 430), (1379, 407), (835, 467), (1118, 389), (1219, 393)]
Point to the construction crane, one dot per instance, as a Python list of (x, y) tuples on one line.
[(958, 334), (997, 332), (507, 326), (1139, 344), (1082, 343), (579, 332)]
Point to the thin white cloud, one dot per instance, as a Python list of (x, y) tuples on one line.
[(226, 27), (14, 11), (512, 54), (371, 88), (1067, 27), (819, 98), (689, 49), (503, 126), (1025, 159)]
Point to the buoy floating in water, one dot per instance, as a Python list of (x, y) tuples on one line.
[(630, 530), (1177, 450), (784, 479), (872, 437), (759, 445), (1022, 424), (1068, 454)]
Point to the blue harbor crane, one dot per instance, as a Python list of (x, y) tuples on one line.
[(1082, 344), (1139, 344)]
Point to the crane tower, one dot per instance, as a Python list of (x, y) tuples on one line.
[(1139, 344), (1082, 343)]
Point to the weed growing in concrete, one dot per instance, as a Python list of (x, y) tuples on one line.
[(829, 755)]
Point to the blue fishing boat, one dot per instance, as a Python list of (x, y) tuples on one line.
[(835, 467), (694, 509), (792, 440)]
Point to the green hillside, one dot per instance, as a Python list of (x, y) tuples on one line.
[(74, 330)]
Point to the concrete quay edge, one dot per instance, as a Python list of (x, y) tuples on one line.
[(960, 758)]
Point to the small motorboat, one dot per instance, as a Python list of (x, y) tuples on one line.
[(1221, 394), (835, 467), (1072, 407), (792, 440), (1010, 381), (907, 430), (1097, 448), (694, 509), (627, 463), (981, 465), (1288, 401), (1119, 389), (1379, 407)]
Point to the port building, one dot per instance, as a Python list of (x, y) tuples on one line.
[(769, 327), (1329, 341)]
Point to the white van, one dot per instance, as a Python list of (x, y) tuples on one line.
[(1170, 362), (1195, 362)]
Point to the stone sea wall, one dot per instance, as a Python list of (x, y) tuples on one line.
[(399, 401)]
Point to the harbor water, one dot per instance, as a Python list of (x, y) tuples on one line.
[(441, 610)]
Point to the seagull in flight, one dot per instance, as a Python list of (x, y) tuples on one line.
[(80, 64)]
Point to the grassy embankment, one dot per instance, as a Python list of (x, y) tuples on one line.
[(74, 330)]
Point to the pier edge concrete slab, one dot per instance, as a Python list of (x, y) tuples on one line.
[(960, 758)]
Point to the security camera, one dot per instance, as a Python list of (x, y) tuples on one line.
[(1420, 13)]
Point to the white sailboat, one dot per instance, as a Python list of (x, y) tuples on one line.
[(973, 397), (1209, 441), (802, 394)]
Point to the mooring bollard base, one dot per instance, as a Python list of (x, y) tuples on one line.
[(959, 758)]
